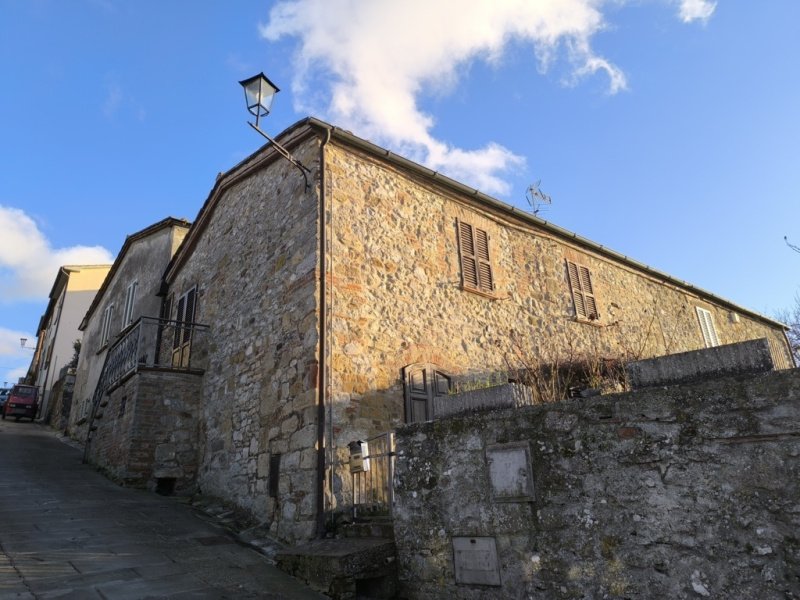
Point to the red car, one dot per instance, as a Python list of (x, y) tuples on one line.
[(23, 401)]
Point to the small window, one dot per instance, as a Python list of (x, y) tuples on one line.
[(476, 268), (130, 298), (580, 281), (707, 327), (105, 333)]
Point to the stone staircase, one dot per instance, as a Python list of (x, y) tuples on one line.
[(358, 564)]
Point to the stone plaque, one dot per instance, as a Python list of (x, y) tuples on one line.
[(510, 472), (475, 560)]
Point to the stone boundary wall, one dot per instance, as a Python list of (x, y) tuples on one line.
[(508, 395), (680, 492), (753, 356)]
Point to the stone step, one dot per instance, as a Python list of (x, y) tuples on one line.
[(368, 529), (344, 568)]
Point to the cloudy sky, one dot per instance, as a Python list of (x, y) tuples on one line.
[(665, 129)]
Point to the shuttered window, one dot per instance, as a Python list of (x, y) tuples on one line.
[(476, 268), (105, 334), (184, 328), (707, 327), (580, 281), (130, 299)]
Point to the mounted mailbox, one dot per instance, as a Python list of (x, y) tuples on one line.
[(359, 456)]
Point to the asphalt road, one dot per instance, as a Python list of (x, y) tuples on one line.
[(68, 532)]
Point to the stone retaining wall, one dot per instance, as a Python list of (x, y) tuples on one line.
[(149, 429), (681, 492)]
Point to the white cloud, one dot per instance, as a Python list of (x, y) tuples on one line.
[(696, 10), (14, 359), (29, 264), (364, 64)]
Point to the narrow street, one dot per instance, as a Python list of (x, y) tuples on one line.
[(67, 532)]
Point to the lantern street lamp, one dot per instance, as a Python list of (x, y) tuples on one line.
[(259, 92), (22, 344)]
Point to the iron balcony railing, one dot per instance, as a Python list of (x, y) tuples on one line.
[(156, 343), (153, 343)]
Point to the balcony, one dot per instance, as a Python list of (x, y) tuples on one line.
[(152, 343)]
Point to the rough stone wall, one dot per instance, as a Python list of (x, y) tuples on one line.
[(255, 266), (680, 492), (397, 297), (144, 262), (148, 428)]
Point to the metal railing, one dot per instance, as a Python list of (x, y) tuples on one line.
[(373, 490), (152, 342)]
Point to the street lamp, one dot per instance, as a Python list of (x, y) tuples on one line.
[(259, 92), (22, 344)]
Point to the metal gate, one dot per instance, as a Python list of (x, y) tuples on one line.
[(373, 472)]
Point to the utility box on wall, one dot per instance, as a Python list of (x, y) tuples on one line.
[(475, 560)]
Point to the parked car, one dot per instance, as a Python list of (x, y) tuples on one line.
[(23, 401), (4, 392)]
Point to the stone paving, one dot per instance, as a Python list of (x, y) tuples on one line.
[(68, 532)]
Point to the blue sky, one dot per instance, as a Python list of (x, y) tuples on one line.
[(667, 130)]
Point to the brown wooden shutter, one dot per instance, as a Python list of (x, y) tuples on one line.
[(188, 317), (485, 279), (580, 281), (176, 341), (469, 263), (476, 268)]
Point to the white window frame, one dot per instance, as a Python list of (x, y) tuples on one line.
[(707, 328), (105, 333), (130, 298)]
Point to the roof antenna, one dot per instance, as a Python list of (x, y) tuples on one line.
[(537, 199)]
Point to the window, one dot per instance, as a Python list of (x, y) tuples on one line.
[(580, 281), (130, 298), (182, 340), (707, 327), (476, 269), (106, 329), (423, 383)]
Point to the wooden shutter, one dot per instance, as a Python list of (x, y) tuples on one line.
[(188, 316), (178, 320), (707, 327), (580, 282), (423, 383), (485, 278), (476, 268)]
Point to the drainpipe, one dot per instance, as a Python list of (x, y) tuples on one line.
[(322, 383)]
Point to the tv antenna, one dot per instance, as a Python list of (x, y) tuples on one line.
[(537, 198)]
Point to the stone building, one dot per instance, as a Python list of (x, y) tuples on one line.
[(121, 331), (73, 290), (340, 310)]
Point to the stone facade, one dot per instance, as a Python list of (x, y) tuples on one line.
[(398, 298), (392, 297), (255, 269), (680, 492)]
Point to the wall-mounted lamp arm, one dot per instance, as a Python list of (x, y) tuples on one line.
[(286, 154)]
